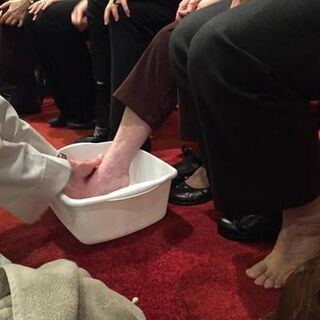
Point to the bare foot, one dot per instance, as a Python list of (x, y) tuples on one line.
[(104, 181), (106, 178), (300, 299), (298, 241)]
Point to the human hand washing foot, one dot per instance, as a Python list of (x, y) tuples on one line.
[(80, 173), (112, 172), (105, 180)]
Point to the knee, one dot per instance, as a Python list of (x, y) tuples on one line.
[(208, 58), (43, 24), (95, 11), (179, 39), (28, 22), (40, 26), (161, 39)]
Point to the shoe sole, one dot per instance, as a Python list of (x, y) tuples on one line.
[(182, 203), (246, 239)]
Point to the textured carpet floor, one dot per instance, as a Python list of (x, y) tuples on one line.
[(180, 268)]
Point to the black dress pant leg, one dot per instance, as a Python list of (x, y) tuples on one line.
[(66, 60), (17, 67), (101, 60), (252, 71), (129, 38)]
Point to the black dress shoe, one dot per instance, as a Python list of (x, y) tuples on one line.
[(251, 228), (185, 195), (58, 122), (80, 125), (92, 139), (189, 164)]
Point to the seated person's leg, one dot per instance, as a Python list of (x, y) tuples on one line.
[(152, 108), (252, 100), (66, 61), (17, 66), (194, 188), (129, 38), (101, 62), (113, 173)]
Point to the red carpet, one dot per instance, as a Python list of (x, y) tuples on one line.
[(180, 268)]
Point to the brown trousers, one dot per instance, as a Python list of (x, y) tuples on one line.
[(151, 92)]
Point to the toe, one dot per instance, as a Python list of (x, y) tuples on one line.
[(278, 284), (261, 279), (269, 283), (280, 281), (257, 270)]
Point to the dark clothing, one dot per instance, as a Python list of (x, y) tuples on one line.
[(248, 73), (101, 60), (252, 71), (17, 66), (151, 91), (17, 63), (65, 58), (115, 50), (129, 38)]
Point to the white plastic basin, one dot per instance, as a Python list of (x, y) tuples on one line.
[(127, 210)]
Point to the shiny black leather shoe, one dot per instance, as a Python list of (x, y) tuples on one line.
[(251, 228), (185, 195), (189, 164), (80, 125), (92, 139), (58, 122)]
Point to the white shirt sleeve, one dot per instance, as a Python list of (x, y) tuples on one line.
[(30, 173)]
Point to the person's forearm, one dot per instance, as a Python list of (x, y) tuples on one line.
[(15, 130), (29, 180)]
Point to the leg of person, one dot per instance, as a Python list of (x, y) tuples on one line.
[(140, 117), (300, 297), (66, 59), (17, 67), (113, 172), (129, 38), (35, 38), (251, 71), (150, 89), (152, 100), (101, 62), (194, 188)]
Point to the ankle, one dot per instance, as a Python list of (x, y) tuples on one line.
[(199, 179)]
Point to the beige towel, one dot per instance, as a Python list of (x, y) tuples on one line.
[(3, 260), (59, 290)]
